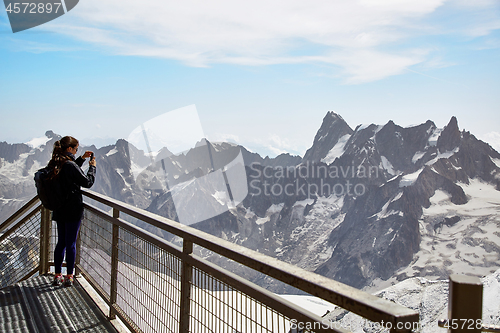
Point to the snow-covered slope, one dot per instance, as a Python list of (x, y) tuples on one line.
[(430, 299), (456, 239), (366, 207)]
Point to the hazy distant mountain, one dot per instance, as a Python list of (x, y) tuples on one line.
[(366, 207)]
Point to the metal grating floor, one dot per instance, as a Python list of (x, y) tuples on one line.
[(36, 306)]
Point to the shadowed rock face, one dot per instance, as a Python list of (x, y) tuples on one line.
[(380, 231), (450, 137), (11, 152), (351, 237), (332, 129), (366, 236)]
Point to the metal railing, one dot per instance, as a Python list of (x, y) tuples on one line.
[(155, 286), (20, 247), (465, 306)]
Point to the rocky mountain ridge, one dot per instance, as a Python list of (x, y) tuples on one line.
[(366, 207)]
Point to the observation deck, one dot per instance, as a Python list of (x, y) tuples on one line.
[(131, 279), (34, 305)]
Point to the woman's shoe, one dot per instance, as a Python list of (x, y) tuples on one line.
[(68, 281), (58, 280)]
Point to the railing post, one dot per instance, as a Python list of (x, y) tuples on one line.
[(114, 266), (78, 249), (78, 255), (45, 233), (186, 278), (465, 304)]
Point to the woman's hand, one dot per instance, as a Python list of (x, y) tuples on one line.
[(87, 154)]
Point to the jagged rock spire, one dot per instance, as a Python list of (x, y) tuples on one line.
[(450, 137), (331, 130)]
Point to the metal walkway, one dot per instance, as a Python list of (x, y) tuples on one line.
[(34, 305)]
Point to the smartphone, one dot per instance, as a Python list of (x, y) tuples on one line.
[(92, 156)]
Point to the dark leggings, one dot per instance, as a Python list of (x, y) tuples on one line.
[(67, 233)]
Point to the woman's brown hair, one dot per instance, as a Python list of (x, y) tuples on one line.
[(59, 156)]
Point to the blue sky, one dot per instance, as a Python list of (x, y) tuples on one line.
[(261, 73)]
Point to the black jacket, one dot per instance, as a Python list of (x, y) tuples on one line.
[(72, 178)]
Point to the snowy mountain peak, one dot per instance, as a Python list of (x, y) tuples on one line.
[(361, 206), (450, 136), (332, 129), (380, 229), (333, 115), (50, 134)]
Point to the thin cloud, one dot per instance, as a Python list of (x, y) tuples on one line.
[(368, 65), (493, 138), (274, 145), (361, 38), (224, 137), (435, 78)]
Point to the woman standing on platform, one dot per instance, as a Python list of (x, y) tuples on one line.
[(68, 170)]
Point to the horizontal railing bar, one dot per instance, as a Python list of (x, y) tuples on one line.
[(256, 292), (139, 232), (163, 223), (262, 295), (19, 224), (160, 242), (24, 209), (354, 300)]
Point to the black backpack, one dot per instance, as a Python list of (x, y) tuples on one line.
[(50, 190)]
